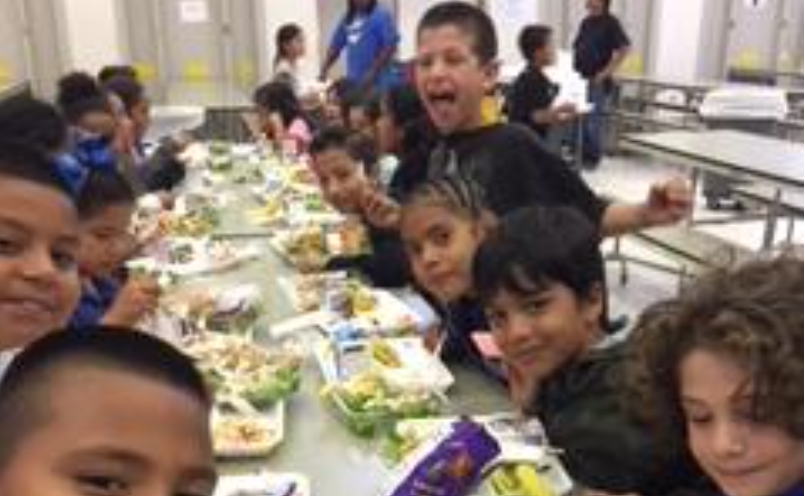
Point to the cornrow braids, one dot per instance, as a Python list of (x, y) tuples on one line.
[(458, 194)]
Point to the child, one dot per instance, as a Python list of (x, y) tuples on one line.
[(403, 130), (290, 43), (106, 411), (531, 96), (39, 238), (105, 207), (539, 277), (345, 165), (280, 117), (455, 68), (442, 224), (719, 369), (85, 106), (362, 111), (162, 170)]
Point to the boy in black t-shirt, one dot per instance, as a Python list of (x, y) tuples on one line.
[(455, 69), (531, 96), (599, 49)]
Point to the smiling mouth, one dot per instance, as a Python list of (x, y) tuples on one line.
[(28, 308)]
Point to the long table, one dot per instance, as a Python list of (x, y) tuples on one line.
[(736, 154), (316, 443)]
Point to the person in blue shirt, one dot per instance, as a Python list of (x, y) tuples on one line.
[(105, 205), (368, 34)]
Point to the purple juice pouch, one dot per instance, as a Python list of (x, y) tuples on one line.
[(455, 464)]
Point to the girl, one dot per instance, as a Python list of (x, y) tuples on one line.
[(290, 43), (280, 117), (370, 38), (442, 224), (161, 170), (719, 369)]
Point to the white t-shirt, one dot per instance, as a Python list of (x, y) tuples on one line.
[(287, 71)]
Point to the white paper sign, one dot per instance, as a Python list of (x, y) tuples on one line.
[(193, 11)]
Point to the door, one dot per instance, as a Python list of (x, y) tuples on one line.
[(30, 45), (197, 42), (751, 33)]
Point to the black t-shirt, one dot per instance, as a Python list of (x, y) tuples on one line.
[(513, 170), (598, 38), (531, 91)]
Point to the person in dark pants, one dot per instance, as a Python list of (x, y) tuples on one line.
[(598, 50)]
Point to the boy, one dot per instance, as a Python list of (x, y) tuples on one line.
[(105, 207), (532, 94), (539, 279), (107, 411), (39, 242), (455, 68), (345, 164), (719, 370)]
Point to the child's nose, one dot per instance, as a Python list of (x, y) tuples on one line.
[(728, 439), (38, 263)]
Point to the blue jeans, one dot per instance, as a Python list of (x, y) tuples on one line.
[(594, 122)]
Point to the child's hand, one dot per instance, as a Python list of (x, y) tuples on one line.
[(667, 203), (380, 210), (136, 299), (522, 386), (564, 112)]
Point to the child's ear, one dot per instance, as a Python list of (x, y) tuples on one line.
[(487, 223), (491, 70), (593, 306)]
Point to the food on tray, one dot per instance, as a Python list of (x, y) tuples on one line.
[(198, 222), (384, 354), (519, 479), (219, 148), (366, 403), (232, 310), (237, 367), (221, 163), (242, 435)]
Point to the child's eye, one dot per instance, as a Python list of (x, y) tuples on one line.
[(102, 485), (697, 418), (495, 319), (64, 260), (534, 306), (8, 247), (441, 237)]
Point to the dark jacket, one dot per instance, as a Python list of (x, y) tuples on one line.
[(605, 447)]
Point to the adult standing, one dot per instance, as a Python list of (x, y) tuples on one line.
[(370, 37), (598, 50)]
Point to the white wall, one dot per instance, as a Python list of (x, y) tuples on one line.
[(274, 13), (678, 39), (91, 27)]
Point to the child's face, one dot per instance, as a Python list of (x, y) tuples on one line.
[(546, 55), (540, 332), (342, 179), (450, 78), (296, 47), (744, 457), (39, 239), (440, 247), (99, 122), (106, 240), (360, 122), (103, 435), (141, 117)]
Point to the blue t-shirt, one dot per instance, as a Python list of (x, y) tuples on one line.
[(96, 298), (364, 37)]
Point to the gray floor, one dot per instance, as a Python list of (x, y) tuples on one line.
[(630, 178)]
